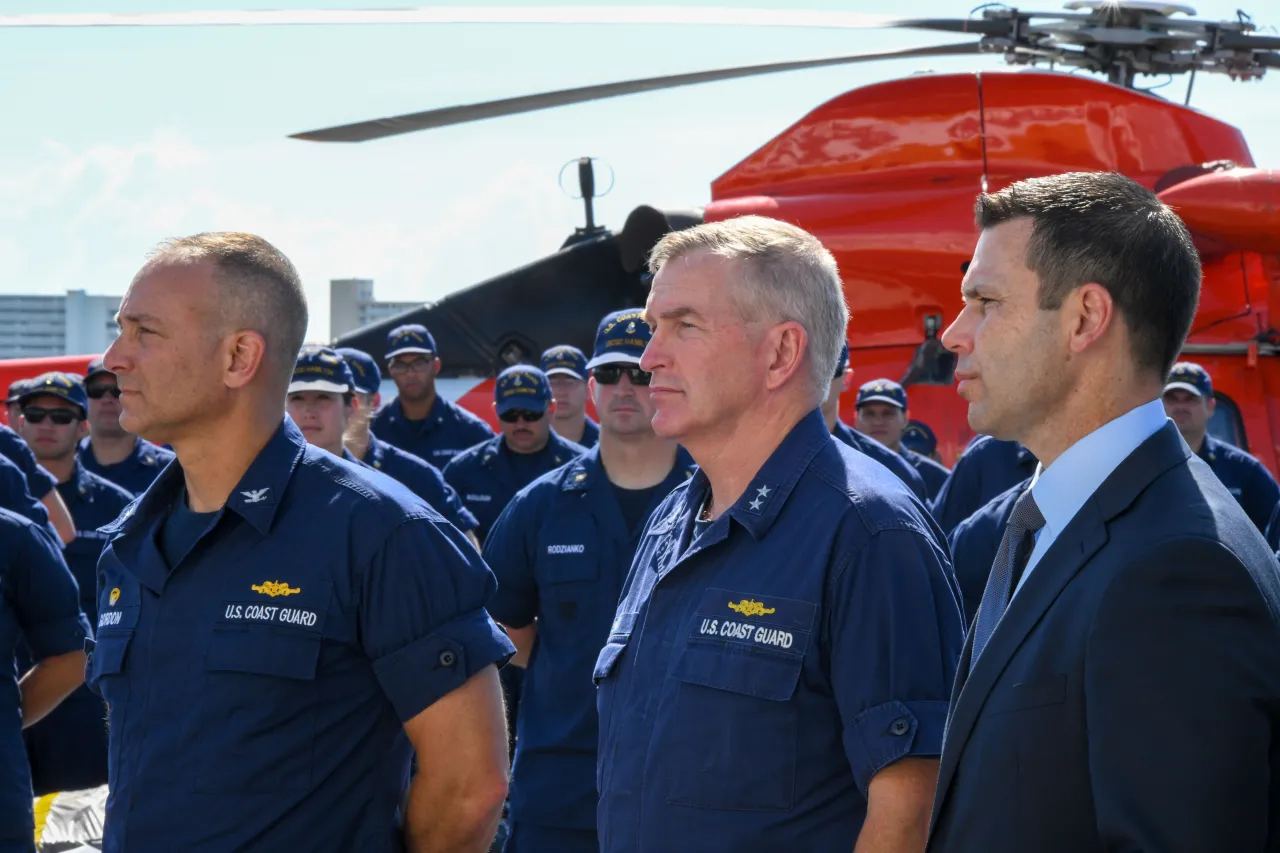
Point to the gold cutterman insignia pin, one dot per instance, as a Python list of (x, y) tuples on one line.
[(747, 607), (114, 597), (274, 588)]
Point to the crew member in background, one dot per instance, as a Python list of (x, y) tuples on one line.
[(39, 609), (566, 369), (418, 420), (918, 436), (40, 483), (561, 551), (111, 451), (986, 468), (421, 477), (877, 451), (1189, 401), (488, 475), (974, 543), (17, 498), (68, 748), (280, 630), (882, 414)]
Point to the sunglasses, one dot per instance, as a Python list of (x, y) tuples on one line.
[(512, 415), (611, 374), (61, 417), (97, 392)]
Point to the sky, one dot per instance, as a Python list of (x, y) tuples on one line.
[(113, 139)]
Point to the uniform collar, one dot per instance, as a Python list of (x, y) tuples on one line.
[(1209, 449), (768, 491), (585, 469), (439, 408), (497, 446), (79, 480), (375, 453), (256, 498)]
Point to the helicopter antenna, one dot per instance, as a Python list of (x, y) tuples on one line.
[(587, 191)]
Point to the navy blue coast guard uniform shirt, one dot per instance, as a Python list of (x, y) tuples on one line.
[(987, 467), (756, 678), (16, 497), (258, 689), (422, 478), (39, 607), (886, 457), (135, 472), (933, 473), (561, 551), (590, 433), (68, 748), (39, 481), (447, 430), (1245, 477), (488, 476)]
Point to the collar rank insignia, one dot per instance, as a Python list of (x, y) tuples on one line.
[(761, 498)]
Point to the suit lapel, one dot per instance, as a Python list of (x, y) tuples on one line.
[(1083, 536)]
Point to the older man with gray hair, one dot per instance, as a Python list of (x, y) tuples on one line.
[(777, 673)]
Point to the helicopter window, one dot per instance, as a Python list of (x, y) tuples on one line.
[(1226, 423)]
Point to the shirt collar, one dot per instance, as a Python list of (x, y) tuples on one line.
[(256, 498), (1062, 488), (768, 491), (375, 453), (583, 470)]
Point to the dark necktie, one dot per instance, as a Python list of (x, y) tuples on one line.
[(1011, 559)]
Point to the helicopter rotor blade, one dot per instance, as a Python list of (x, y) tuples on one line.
[(1248, 41), (677, 15), (395, 125)]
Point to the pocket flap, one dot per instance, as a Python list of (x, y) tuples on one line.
[(607, 660), (262, 651), (749, 671)]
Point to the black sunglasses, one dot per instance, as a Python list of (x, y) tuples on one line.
[(611, 374), (61, 417), (97, 392), (510, 416)]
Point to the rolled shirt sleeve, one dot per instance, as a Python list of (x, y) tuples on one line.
[(895, 635), (423, 618)]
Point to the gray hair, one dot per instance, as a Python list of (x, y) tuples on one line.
[(787, 275), (259, 288)]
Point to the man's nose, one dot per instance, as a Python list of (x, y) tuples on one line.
[(958, 338)]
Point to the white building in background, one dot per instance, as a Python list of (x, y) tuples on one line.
[(351, 305), (75, 323)]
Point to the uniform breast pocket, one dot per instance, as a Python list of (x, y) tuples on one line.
[(568, 582), (734, 728), (258, 720)]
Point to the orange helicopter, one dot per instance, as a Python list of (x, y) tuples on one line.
[(886, 176)]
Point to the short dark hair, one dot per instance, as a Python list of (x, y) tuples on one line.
[(261, 288), (1103, 227)]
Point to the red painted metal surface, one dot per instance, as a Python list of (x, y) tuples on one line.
[(886, 177)]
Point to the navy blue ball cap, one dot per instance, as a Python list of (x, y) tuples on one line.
[(522, 386), (621, 338), (920, 438), (882, 391), (56, 384), (565, 361), (410, 338), (321, 369), (16, 387), (364, 370), (95, 368), (1189, 376)]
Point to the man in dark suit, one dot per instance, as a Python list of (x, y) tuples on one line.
[(1120, 686)]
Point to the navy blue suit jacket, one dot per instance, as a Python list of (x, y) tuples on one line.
[(1129, 699)]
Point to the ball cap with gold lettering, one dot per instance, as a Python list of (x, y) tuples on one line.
[(1189, 376), (64, 386), (321, 369), (522, 386), (564, 361), (364, 370), (621, 338), (882, 391), (410, 338)]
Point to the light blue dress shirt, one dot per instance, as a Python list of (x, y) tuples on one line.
[(1062, 488)]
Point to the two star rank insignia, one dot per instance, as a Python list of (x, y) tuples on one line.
[(761, 498)]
